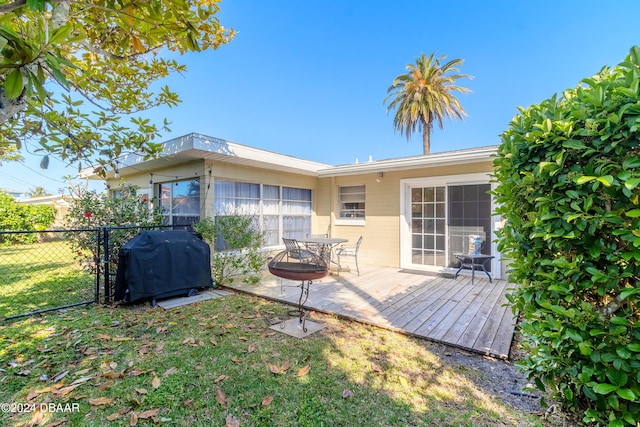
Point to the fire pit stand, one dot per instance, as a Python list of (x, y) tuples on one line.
[(299, 265), (300, 312)]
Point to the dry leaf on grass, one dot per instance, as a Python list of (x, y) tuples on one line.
[(252, 348), (150, 413), (285, 366), (66, 390), (141, 390), (118, 413), (213, 341), (346, 393), (273, 368), (304, 371), (267, 401), (221, 397), (105, 385), (36, 419), (231, 421), (97, 401), (155, 382), (170, 371), (220, 378)]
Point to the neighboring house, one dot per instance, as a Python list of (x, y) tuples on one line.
[(60, 203), (12, 193), (413, 212)]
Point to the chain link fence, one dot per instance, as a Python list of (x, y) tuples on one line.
[(44, 271), (39, 271)]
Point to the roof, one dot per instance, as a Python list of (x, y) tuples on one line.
[(458, 157), (196, 146)]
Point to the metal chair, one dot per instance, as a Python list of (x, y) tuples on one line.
[(295, 251), (315, 247), (349, 250)]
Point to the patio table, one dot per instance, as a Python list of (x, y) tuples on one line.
[(326, 245), (473, 261)]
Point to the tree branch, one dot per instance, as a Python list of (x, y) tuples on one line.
[(9, 7)]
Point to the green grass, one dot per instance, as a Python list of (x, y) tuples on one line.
[(213, 363), (41, 276)]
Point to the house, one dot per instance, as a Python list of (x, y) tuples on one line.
[(60, 203), (13, 193), (414, 212)]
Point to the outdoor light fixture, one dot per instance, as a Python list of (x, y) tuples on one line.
[(380, 176), (117, 174)]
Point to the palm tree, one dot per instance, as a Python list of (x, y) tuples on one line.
[(425, 94), (37, 192)]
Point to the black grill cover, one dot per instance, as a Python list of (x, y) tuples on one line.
[(161, 264)]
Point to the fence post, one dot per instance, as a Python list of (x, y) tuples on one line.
[(97, 261), (107, 284)]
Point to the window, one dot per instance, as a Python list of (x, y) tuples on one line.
[(351, 202), (279, 211), (180, 202)]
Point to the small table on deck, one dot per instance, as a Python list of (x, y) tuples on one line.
[(473, 261), (326, 245)]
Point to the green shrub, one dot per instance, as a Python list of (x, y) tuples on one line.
[(568, 173), (91, 210), (16, 216), (236, 242)]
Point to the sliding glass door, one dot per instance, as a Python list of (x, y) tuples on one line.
[(442, 217)]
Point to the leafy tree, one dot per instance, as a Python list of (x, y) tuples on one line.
[(568, 173), (90, 210), (37, 191), (9, 153), (72, 72), (237, 242), (16, 216), (425, 94)]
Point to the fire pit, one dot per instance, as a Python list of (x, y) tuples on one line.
[(299, 265)]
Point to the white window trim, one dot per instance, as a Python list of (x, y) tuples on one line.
[(361, 222), (405, 216)]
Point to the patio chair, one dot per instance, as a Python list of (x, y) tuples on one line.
[(295, 251), (315, 247), (349, 250)]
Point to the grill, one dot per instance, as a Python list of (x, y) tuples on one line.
[(161, 264)]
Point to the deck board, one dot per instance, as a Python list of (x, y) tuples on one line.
[(455, 312)]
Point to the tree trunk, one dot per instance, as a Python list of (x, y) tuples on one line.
[(426, 137)]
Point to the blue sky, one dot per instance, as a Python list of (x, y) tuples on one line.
[(308, 78)]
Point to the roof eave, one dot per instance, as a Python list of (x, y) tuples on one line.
[(448, 158)]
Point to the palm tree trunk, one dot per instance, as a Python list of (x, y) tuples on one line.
[(426, 137)]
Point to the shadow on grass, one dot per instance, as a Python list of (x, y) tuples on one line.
[(40, 277), (215, 361)]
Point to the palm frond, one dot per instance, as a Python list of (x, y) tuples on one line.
[(425, 93)]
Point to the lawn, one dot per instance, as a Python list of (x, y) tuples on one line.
[(218, 363), (41, 276)]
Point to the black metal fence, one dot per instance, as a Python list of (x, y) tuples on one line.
[(43, 270), (39, 271)]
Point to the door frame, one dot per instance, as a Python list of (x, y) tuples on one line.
[(441, 181)]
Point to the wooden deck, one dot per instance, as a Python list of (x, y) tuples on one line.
[(453, 312)]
